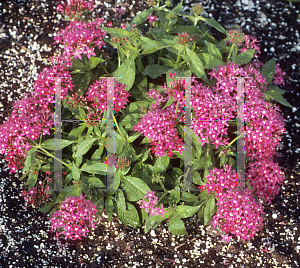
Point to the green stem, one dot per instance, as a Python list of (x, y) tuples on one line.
[(105, 70), (235, 139), (50, 155), (229, 55), (177, 107), (119, 129), (159, 56), (179, 54)]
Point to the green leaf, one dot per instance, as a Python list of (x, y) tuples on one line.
[(147, 42), (120, 199), (129, 217), (188, 197), (209, 210), (127, 72), (117, 32), (268, 70), (78, 64), (100, 204), (276, 88), (84, 146), (194, 63), (134, 137), (278, 97), (97, 168), (169, 102), (244, 57), (135, 188), (45, 208), (187, 211), (190, 29), (49, 144), (76, 132), (95, 182), (94, 61), (29, 158), (141, 17), (161, 164), (176, 226), (130, 119), (75, 172), (213, 23), (155, 70), (32, 179), (213, 50), (109, 207), (178, 8), (209, 61)]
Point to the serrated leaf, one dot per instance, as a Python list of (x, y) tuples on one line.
[(84, 146), (49, 144)]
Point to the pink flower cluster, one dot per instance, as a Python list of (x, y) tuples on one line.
[(238, 212), (36, 196), (278, 77), (81, 37), (152, 201), (236, 37), (97, 95), (74, 8), (28, 120), (159, 125), (76, 216), (265, 177), (183, 38)]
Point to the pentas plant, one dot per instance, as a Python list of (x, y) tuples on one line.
[(149, 68)]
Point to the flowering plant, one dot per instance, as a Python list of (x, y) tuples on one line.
[(163, 74)]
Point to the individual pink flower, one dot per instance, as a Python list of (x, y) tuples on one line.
[(151, 18)]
